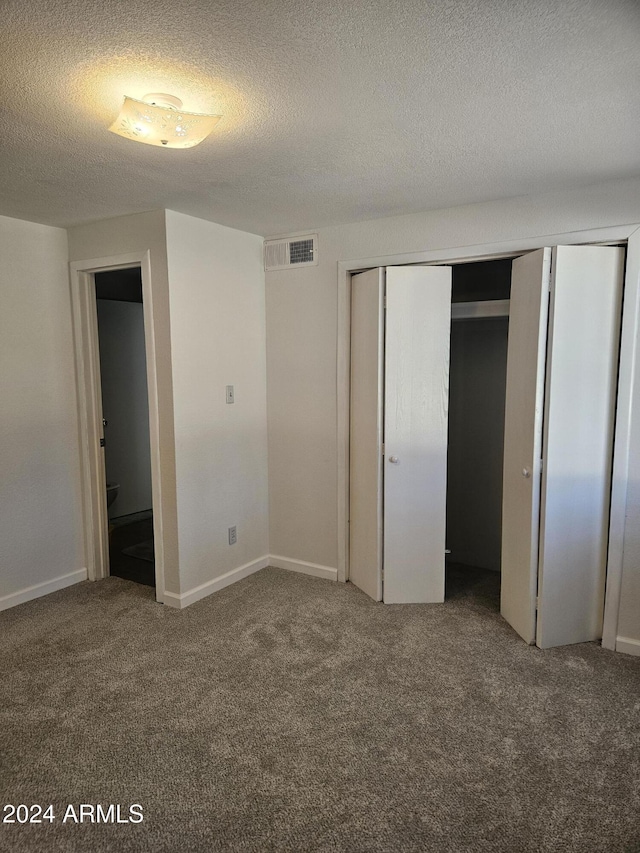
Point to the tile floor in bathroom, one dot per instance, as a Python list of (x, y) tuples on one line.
[(124, 533)]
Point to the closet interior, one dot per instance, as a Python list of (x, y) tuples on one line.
[(477, 388)]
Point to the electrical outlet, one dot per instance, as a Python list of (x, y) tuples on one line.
[(230, 394), (233, 536)]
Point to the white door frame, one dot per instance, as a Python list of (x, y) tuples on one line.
[(85, 324), (628, 354)]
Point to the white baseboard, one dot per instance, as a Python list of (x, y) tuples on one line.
[(628, 646), (304, 568), (184, 599), (39, 589)]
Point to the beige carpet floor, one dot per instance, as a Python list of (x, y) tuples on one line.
[(287, 713)]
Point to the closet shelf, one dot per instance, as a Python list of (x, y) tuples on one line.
[(477, 310)]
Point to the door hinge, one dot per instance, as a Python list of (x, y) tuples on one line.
[(383, 449), (541, 465), (102, 442)]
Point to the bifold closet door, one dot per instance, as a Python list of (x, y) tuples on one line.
[(580, 397), (559, 420), (524, 406), (417, 342), (398, 433), (365, 456)]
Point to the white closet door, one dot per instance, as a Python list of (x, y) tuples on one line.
[(367, 403), (524, 405), (418, 328), (584, 324)]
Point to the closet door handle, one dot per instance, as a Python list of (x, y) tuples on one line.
[(394, 460), (526, 472)]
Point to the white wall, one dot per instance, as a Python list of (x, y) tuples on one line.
[(218, 339), (209, 318), (302, 347), (140, 233), (123, 376), (40, 492)]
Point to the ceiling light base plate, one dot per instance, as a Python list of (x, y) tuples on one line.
[(162, 100)]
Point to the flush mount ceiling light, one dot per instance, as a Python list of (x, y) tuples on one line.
[(160, 120)]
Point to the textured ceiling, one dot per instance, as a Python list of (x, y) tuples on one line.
[(334, 110)]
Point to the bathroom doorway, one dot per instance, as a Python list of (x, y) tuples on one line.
[(125, 410), (90, 418)]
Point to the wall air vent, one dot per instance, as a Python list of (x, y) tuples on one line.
[(291, 252)]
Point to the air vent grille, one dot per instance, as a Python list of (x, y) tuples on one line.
[(300, 251), (291, 252)]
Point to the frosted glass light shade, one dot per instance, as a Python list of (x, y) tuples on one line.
[(164, 124)]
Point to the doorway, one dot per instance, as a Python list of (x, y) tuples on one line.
[(560, 404), (90, 416), (125, 410)]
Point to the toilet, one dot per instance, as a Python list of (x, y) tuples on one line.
[(112, 493)]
